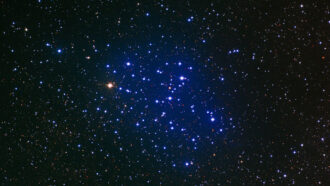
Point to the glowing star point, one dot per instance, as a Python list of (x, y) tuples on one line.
[(182, 78), (110, 85)]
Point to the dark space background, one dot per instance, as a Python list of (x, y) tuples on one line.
[(204, 92)]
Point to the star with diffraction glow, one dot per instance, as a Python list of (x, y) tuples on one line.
[(110, 85)]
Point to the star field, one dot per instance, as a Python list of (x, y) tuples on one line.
[(111, 92)]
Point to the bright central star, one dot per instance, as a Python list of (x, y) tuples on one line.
[(110, 85)]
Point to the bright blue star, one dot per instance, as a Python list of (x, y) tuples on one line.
[(190, 18)]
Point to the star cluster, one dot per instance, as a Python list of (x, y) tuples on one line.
[(164, 92)]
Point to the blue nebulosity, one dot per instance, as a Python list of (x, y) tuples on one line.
[(164, 93)]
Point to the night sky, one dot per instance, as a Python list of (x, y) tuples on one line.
[(167, 92)]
